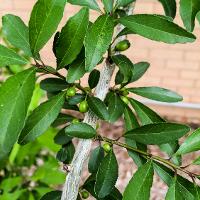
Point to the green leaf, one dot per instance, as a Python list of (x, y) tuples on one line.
[(62, 119), (9, 57), (97, 41), (108, 5), (158, 133), (140, 184), (44, 20), (177, 192), (131, 123), (94, 78), (106, 176), (139, 70), (125, 31), (76, 99), (169, 7), (16, 32), (196, 161), (170, 149), (41, 118), (145, 114), (130, 119), (80, 130), (121, 3), (92, 4), (53, 84), (71, 38), (191, 143), (115, 107), (15, 97), (55, 195), (61, 138), (8, 184), (167, 175), (157, 94), (66, 153), (157, 28), (96, 157), (98, 107), (188, 12), (125, 66), (55, 41), (76, 68)]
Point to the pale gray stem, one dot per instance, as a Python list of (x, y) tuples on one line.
[(71, 186)]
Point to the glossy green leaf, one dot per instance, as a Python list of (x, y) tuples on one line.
[(16, 32), (157, 94), (98, 107), (53, 84), (169, 7), (66, 153), (191, 143), (61, 138), (188, 12), (44, 20), (92, 4), (130, 119), (131, 123), (62, 119), (97, 41), (94, 78), (145, 114), (125, 31), (76, 99), (121, 3), (170, 149), (80, 130), (106, 176), (115, 107), (41, 118), (177, 192), (108, 5), (9, 57), (125, 66), (90, 184), (76, 68), (157, 133), (140, 184), (167, 175), (71, 38), (96, 157), (55, 41), (157, 28), (139, 70), (15, 97), (54, 195)]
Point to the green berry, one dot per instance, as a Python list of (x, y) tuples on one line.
[(107, 147), (71, 92), (124, 91), (75, 121), (83, 106), (123, 45), (125, 99), (85, 194)]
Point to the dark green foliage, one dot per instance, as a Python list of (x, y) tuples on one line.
[(46, 124)]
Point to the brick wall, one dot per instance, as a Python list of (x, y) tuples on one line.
[(176, 67)]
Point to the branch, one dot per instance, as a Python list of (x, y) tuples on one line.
[(71, 186)]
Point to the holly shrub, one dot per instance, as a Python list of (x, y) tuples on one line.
[(31, 132)]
